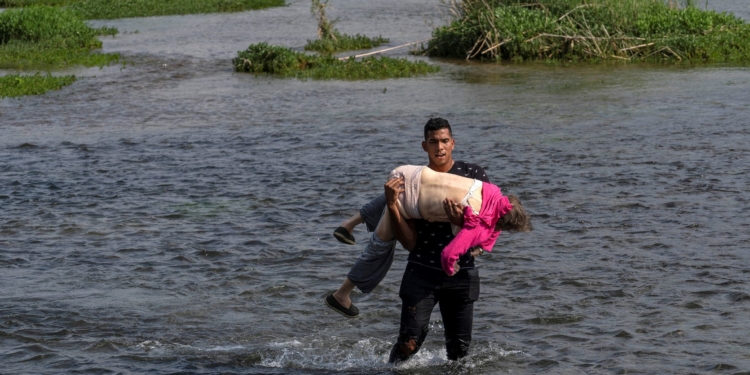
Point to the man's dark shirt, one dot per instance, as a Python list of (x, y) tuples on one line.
[(432, 237)]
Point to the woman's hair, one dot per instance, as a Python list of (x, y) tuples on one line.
[(517, 220)]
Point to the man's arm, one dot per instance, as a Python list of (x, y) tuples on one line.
[(453, 209), (403, 229)]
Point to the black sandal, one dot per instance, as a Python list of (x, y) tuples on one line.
[(351, 312), (343, 236)]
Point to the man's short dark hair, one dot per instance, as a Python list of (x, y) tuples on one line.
[(437, 123)]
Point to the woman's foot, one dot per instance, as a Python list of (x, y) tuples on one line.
[(345, 308), (344, 232), (344, 236)]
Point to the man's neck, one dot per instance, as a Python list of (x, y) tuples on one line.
[(443, 169)]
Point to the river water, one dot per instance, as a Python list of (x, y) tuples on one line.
[(171, 216)]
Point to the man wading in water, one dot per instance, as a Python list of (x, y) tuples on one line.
[(424, 283)]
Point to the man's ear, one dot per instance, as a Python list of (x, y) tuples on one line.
[(424, 146)]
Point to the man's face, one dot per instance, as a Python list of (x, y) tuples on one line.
[(439, 147)]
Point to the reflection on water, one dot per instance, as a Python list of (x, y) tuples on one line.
[(172, 216)]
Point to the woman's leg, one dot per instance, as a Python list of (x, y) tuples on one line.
[(380, 246), (384, 231), (369, 214), (342, 293)]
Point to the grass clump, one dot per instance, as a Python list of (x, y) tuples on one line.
[(591, 30), (285, 62), (331, 40), (111, 9), (19, 85), (44, 37)]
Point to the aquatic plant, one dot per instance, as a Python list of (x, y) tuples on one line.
[(26, 3), (344, 42), (285, 62), (590, 30), (19, 85), (47, 25), (109, 9), (331, 40), (49, 37)]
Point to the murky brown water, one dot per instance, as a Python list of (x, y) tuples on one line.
[(175, 217)]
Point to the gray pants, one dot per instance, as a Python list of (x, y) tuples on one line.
[(372, 211), (376, 259), (373, 264)]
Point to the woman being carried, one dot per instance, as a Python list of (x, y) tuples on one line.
[(422, 194)]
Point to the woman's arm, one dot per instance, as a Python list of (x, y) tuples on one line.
[(403, 229)]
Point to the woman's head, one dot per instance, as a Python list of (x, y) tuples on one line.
[(517, 220)]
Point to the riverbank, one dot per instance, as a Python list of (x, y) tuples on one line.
[(576, 30)]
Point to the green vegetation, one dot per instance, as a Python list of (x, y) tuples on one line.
[(26, 3), (48, 37), (264, 58), (20, 85), (331, 40), (591, 30), (110, 9), (47, 25), (344, 42)]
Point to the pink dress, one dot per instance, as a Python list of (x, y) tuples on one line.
[(478, 230)]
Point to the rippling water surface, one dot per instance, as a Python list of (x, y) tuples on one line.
[(174, 217)]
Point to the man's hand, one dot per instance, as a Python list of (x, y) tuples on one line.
[(454, 211), (393, 188), (403, 229)]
